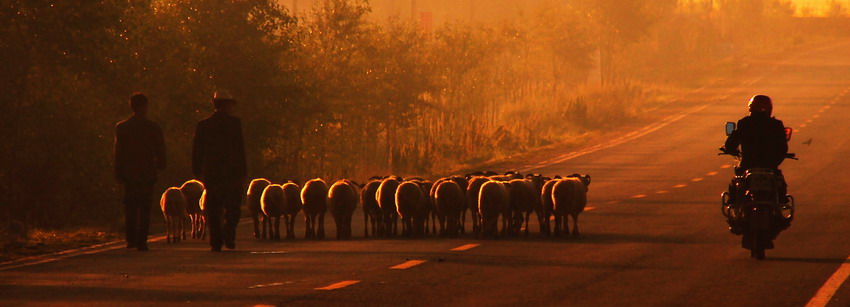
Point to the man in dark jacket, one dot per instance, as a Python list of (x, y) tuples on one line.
[(139, 153), (763, 144), (761, 137), (218, 160)]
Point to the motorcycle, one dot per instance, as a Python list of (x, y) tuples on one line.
[(755, 211)]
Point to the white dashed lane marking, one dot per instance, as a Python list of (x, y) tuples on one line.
[(724, 166), (679, 186), (639, 196), (465, 247), (269, 285), (339, 285), (662, 192), (613, 202), (711, 173), (408, 264), (589, 208), (696, 179)]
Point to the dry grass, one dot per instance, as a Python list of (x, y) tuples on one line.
[(38, 242)]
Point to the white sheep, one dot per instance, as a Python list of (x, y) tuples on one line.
[(173, 206)]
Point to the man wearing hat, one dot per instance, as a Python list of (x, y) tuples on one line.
[(218, 160), (139, 154)]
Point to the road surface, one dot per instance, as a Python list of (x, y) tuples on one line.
[(653, 235)]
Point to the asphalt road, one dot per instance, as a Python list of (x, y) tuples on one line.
[(653, 236)]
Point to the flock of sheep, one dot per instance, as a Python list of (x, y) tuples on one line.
[(420, 204)]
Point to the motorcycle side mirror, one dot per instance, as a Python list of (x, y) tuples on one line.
[(730, 126), (788, 133)]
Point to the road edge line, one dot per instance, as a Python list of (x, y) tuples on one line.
[(831, 286)]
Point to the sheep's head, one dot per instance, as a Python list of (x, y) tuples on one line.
[(583, 178)]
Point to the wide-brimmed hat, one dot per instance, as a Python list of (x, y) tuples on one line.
[(223, 95)]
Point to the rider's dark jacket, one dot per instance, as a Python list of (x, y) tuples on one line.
[(762, 141)]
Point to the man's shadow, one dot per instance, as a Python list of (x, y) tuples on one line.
[(808, 260)]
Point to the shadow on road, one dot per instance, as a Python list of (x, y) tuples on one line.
[(807, 260)]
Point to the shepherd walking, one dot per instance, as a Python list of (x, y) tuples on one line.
[(139, 154), (218, 160)]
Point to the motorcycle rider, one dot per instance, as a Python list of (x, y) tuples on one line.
[(763, 145)]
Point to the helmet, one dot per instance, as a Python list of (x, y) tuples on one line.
[(760, 103)]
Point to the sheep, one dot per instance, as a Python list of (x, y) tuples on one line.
[(409, 200), (192, 191), (272, 202), (386, 200), (173, 205), (314, 197), (432, 206), (546, 207), (293, 206), (513, 175), (492, 202), (371, 209), (569, 197), (472, 192), (342, 200), (463, 183), (255, 192), (450, 201), (524, 198), (427, 206), (481, 174)]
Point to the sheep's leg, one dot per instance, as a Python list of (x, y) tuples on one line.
[(347, 223), (203, 219), (388, 228), (424, 224), (376, 225), (196, 226), (256, 219), (365, 224), (307, 226), (442, 219), (395, 224), (340, 232), (169, 230), (267, 223), (434, 219), (476, 221), (276, 227), (182, 228), (312, 226), (321, 234), (462, 221), (566, 225), (505, 224), (527, 217), (575, 225), (290, 226), (188, 224), (557, 225)]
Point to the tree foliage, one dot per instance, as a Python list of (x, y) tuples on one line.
[(334, 92)]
